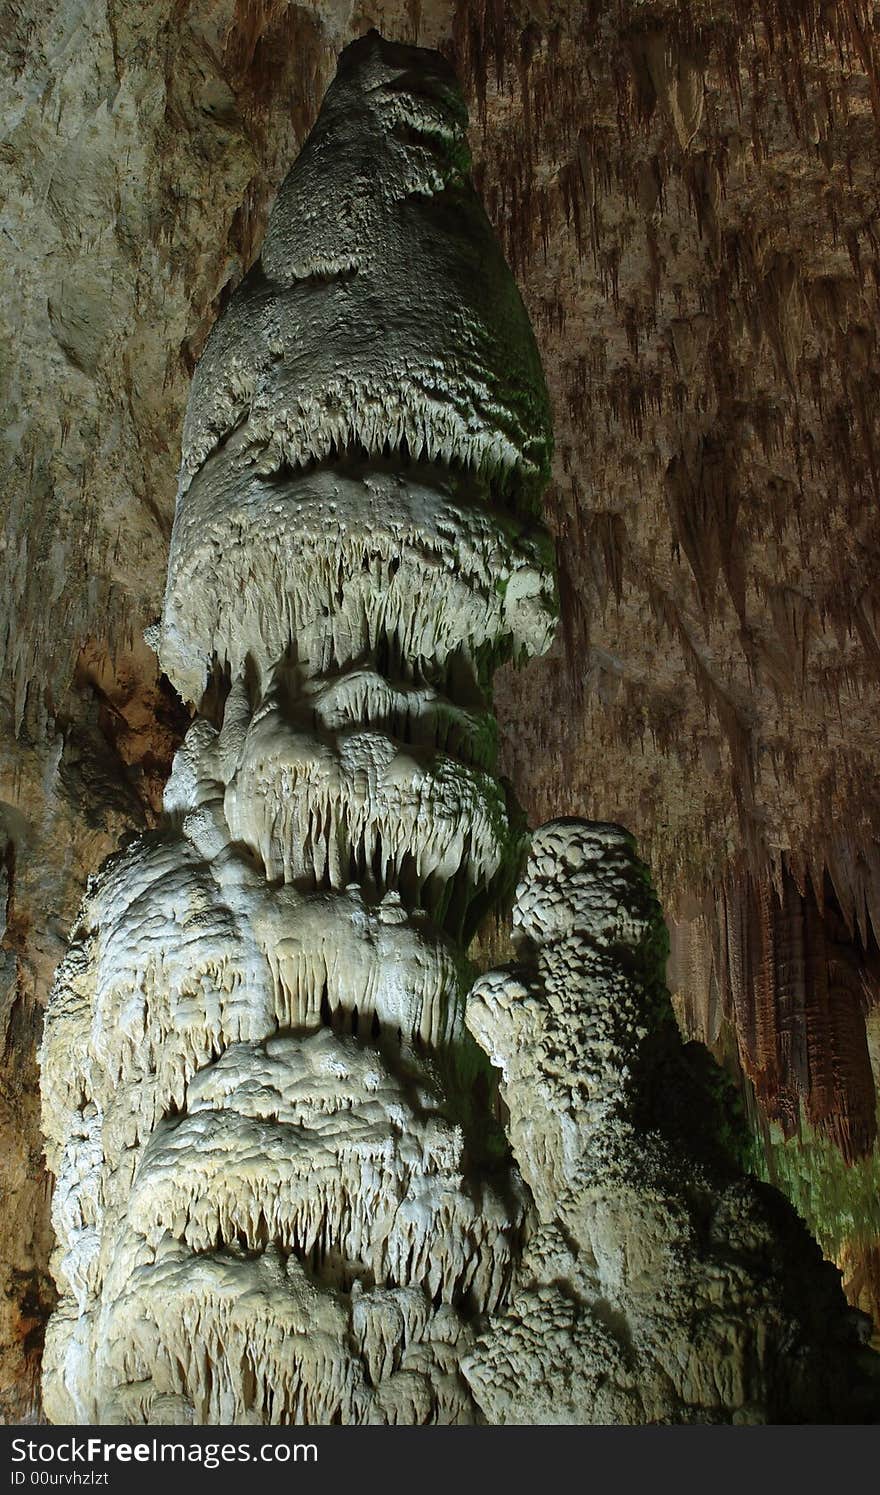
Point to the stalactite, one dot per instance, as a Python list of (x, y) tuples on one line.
[(797, 984)]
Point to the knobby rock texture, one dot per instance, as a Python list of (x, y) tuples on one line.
[(657, 1283), (688, 197)]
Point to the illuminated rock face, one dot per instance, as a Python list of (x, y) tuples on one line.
[(657, 1283), (281, 1194), (277, 1200)]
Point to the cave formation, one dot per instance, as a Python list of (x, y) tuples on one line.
[(281, 1192), (712, 368)]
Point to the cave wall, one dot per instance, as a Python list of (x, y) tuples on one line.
[(688, 196)]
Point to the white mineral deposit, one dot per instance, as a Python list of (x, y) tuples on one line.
[(308, 1169)]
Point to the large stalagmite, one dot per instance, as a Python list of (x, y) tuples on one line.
[(278, 1198), (282, 1193)]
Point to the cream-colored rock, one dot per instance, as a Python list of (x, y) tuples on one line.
[(277, 1199), (421, 554), (658, 1284), (281, 1194), (399, 326), (205, 1094), (687, 326)]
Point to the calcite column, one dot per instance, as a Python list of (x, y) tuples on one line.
[(281, 1193)]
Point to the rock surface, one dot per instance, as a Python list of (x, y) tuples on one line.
[(281, 1195), (657, 1284), (713, 371), (277, 1199)]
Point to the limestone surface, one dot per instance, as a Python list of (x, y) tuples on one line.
[(282, 1193), (359, 335), (714, 372), (657, 1283)]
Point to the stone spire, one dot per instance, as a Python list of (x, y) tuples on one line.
[(282, 1192), (278, 1199)]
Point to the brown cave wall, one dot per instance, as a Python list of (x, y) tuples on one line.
[(712, 317), (689, 197), (781, 966)]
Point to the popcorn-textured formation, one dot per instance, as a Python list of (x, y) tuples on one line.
[(658, 1284)]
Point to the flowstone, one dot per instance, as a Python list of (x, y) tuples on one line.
[(283, 1191)]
